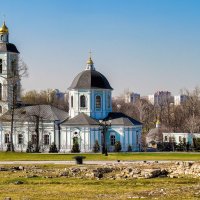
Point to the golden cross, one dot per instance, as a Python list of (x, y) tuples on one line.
[(4, 17), (90, 53)]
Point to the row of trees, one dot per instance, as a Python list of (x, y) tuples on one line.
[(48, 96), (176, 118)]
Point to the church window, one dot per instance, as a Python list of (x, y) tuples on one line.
[(20, 139), (46, 139), (33, 139), (184, 140), (98, 102), (108, 101), (137, 137), (1, 37), (165, 138), (1, 66), (0, 91), (6, 138), (13, 67), (82, 101), (1, 109), (180, 139), (72, 101), (112, 140)]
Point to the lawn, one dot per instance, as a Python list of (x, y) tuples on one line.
[(41, 188), (9, 156)]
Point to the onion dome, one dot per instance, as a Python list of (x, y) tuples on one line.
[(4, 28), (158, 124), (90, 62)]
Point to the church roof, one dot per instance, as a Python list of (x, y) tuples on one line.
[(90, 79), (155, 134), (27, 113), (81, 120), (8, 47), (119, 118)]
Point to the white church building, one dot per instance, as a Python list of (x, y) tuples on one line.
[(90, 106)]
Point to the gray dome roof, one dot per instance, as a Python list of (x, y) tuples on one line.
[(90, 79)]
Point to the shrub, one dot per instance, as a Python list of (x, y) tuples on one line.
[(75, 147), (96, 147), (129, 148), (166, 146), (118, 146), (196, 143), (29, 147), (181, 146), (53, 148)]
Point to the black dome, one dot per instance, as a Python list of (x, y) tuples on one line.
[(90, 79), (8, 47)]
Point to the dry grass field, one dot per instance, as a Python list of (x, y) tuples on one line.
[(48, 186)]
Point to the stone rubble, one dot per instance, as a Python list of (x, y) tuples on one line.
[(118, 170)]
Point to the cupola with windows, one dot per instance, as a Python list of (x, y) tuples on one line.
[(91, 93)]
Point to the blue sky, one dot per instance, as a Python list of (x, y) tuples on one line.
[(143, 45)]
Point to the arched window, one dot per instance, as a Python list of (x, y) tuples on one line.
[(1, 109), (137, 137), (1, 37), (109, 101), (1, 66), (33, 139), (20, 138), (72, 103), (6, 138), (98, 102), (82, 101), (112, 140), (13, 67), (46, 139), (0, 91)]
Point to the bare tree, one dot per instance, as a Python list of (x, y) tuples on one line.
[(36, 115), (192, 110), (45, 97), (15, 73)]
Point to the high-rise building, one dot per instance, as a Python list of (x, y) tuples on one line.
[(160, 98), (131, 97), (180, 99)]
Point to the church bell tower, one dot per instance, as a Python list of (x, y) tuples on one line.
[(8, 70)]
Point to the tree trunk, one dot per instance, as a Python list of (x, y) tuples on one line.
[(12, 119), (37, 149), (12, 128)]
